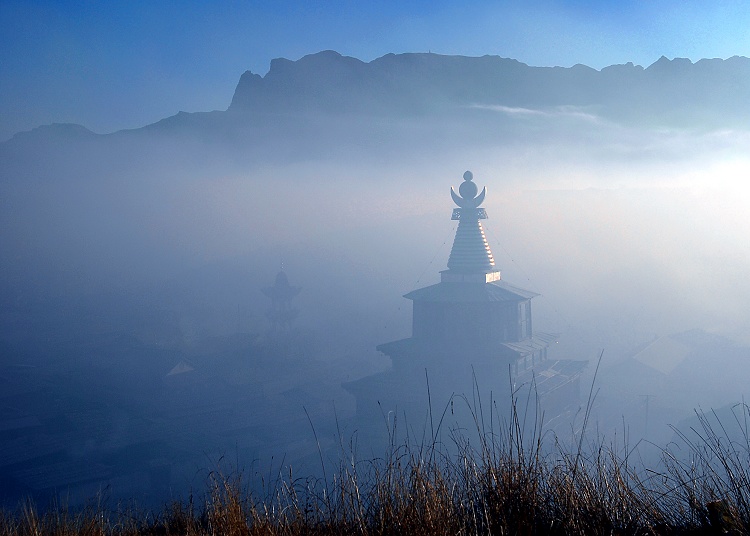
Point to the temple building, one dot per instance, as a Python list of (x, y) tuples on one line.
[(281, 312), (472, 336)]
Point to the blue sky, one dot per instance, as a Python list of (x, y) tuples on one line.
[(122, 64)]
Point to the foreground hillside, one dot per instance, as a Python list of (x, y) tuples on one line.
[(500, 486)]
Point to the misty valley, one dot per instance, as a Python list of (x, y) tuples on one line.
[(356, 255)]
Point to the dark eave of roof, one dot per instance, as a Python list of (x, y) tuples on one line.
[(497, 291), (539, 341), (552, 375), (410, 346), (398, 347)]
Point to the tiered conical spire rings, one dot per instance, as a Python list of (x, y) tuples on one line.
[(471, 253)]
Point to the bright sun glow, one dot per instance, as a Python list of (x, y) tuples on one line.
[(724, 191)]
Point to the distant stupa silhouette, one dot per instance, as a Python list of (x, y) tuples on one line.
[(471, 331), (281, 312)]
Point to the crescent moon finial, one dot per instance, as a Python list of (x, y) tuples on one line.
[(460, 201), (480, 198), (467, 193)]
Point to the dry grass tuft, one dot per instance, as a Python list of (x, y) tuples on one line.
[(505, 484)]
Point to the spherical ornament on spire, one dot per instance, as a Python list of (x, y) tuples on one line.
[(468, 189), (467, 197)]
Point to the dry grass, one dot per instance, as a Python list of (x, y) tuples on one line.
[(499, 485)]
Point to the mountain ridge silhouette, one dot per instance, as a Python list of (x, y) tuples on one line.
[(673, 92)]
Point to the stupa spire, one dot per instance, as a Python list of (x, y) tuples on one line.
[(471, 258), (281, 293)]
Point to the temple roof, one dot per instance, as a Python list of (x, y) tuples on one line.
[(537, 342), (412, 346), (551, 375), (546, 377), (497, 291)]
